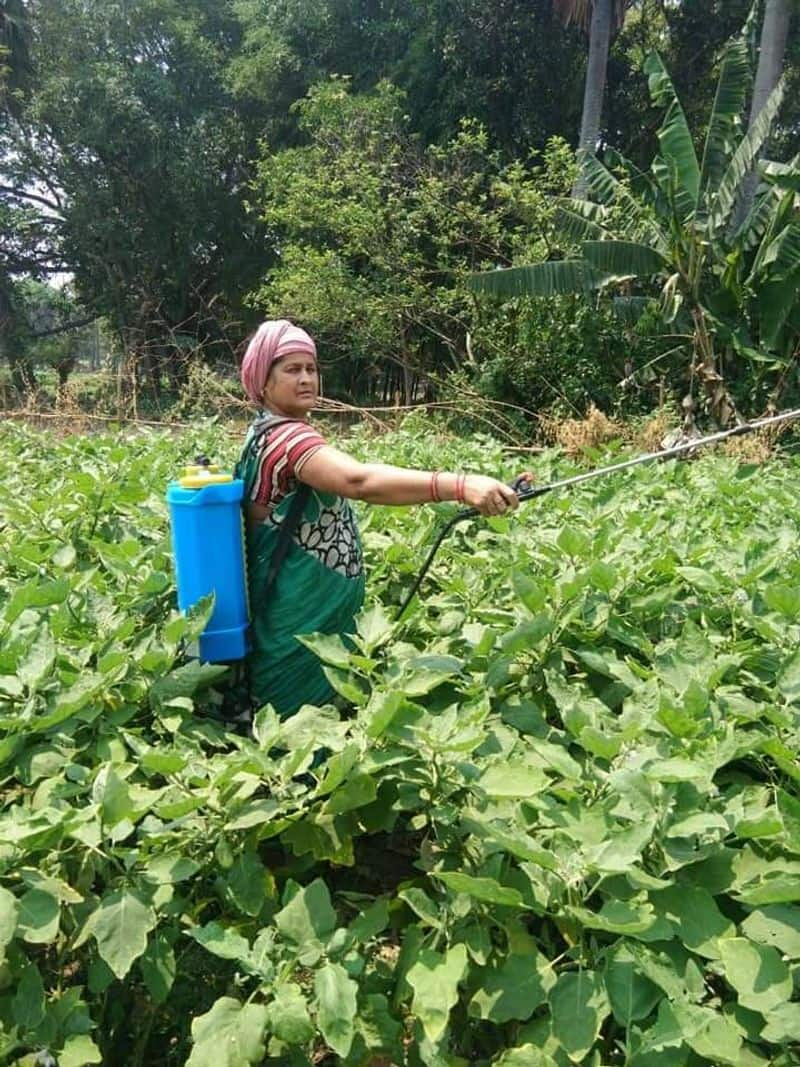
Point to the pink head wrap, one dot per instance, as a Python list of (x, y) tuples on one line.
[(272, 341)]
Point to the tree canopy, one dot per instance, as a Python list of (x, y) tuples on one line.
[(176, 160)]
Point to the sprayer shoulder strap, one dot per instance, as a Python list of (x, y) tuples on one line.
[(293, 516), (287, 529)]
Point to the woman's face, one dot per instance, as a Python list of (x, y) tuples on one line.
[(292, 386)]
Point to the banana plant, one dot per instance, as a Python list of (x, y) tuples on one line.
[(669, 234)]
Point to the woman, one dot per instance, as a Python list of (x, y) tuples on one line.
[(320, 584)]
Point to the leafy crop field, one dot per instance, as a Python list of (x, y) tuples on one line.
[(561, 825)]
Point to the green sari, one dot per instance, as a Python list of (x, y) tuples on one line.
[(318, 589)]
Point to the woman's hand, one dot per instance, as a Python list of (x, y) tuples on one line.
[(488, 495)]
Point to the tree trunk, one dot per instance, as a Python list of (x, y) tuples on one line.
[(594, 88), (774, 34), (23, 377), (720, 403)]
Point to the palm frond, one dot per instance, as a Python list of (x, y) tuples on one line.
[(744, 159), (560, 277), (728, 107), (623, 259), (581, 220), (634, 218), (677, 147), (580, 12)]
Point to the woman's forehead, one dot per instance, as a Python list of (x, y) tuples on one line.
[(296, 357)]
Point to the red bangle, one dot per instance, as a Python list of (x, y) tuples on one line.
[(460, 480), (435, 487)]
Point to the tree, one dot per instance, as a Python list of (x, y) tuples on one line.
[(15, 60), (774, 35), (601, 19), (499, 63), (132, 151), (54, 330), (732, 294), (378, 235)]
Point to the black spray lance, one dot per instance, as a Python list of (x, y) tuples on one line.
[(599, 472)]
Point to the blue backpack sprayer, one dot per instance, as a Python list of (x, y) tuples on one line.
[(205, 507), (208, 543)]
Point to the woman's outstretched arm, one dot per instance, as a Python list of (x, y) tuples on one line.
[(332, 471)]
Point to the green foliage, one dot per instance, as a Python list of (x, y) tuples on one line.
[(560, 825), (378, 239), (137, 133), (730, 293)]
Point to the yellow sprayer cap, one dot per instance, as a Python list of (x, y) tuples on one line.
[(197, 477)]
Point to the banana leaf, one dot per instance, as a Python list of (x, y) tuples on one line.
[(674, 137), (743, 160), (558, 277), (776, 301), (628, 259), (779, 220), (634, 220), (629, 309), (581, 220), (783, 175), (728, 106)]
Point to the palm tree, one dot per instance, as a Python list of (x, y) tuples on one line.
[(774, 34), (731, 293), (601, 19)]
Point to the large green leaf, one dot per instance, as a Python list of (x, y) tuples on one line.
[(8, 918), (743, 161), (634, 220), (288, 1016), (485, 889), (782, 256), (777, 925), (757, 973), (79, 1050), (632, 995), (581, 220), (231, 1034), (39, 913), (674, 137), (157, 965), (222, 941), (308, 916), (434, 979), (336, 1006), (777, 299), (513, 989), (696, 918), (623, 259), (120, 925), (728, 106), (579, 1004), (29, 1000), (560, 277)]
